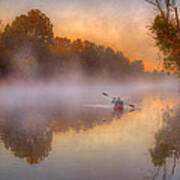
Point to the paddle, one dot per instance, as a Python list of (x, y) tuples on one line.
[(105, 94)]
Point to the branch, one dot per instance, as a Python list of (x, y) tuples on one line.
[(160, 8), (167, 8), (157, 4), (177, 19), (151, 2), (174, 164)]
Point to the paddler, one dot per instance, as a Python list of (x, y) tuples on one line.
[(118, 104), (114, 100)]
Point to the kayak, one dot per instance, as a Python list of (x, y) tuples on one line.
[(114, 107), (118, 107)]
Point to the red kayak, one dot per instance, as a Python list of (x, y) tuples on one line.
[(118, 107)]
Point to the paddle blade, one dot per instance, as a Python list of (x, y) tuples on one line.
[(105, 94), (131, 105)]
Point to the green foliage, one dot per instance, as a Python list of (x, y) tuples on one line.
[(168, 40), (166, 31), (33, 144), (93, 59), (28, 50), (26, 44), (35, 26), (167, 139)]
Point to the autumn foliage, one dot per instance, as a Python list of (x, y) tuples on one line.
[(166, 31), (30, 50)]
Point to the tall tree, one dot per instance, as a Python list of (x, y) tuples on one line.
[(166, 31), (33, 26), (27, 40)]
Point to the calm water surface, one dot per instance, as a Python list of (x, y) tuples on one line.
[(55, 141)]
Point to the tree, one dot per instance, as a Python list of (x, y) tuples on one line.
[(26, 137), (27, 50), (3, 54), (89, 58), (33, 26), (167, 141), (32, 33), (166, 31), (62, 54), (0, 29), (137, 66)]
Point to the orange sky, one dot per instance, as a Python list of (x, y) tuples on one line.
[(120, 24)]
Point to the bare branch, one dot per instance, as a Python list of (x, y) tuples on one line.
[(157, 4), (151, 2), (174, 164), (160, 8), (177, 18), (167, 8)]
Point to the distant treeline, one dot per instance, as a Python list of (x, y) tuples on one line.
[(28, 49)]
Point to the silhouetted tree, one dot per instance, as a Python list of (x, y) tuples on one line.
[(167, 141), (27, 41), (166, 31), (31, 142), (28, 50)]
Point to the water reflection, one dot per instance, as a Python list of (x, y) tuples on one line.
[(166, 150), (118, 113), (26, 138), (84, 139), (29, 135)]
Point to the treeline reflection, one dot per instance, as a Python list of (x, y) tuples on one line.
[(166, 150), (29, 134)]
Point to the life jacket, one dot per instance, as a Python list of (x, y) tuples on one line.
[(118, 105)]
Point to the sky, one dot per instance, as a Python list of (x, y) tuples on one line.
[(120, 24)]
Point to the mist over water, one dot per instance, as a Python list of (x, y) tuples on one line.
[(73, 126), (55, 97), (41, 95)]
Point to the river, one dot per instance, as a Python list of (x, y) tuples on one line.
[(50, 135)]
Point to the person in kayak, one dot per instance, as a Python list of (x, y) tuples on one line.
[(118, 105), (114, 100)]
